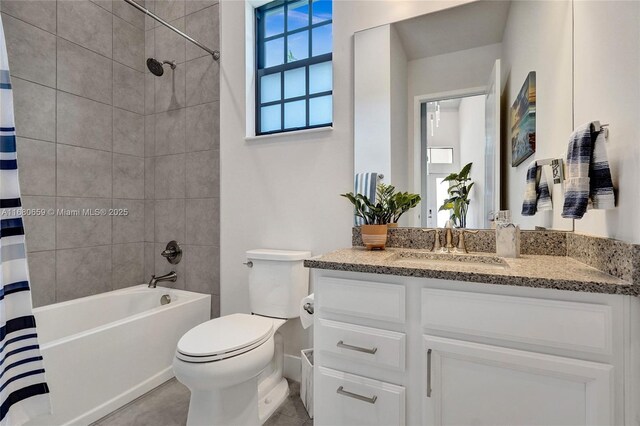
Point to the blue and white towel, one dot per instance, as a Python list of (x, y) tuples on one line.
[(365, 184), (24, 393), (588, 183), (537, 196)]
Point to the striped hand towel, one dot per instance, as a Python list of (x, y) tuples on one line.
[(537, 196), (24, 393), (588, 181), (365, 184)]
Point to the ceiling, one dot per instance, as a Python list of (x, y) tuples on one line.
[(460, 28)]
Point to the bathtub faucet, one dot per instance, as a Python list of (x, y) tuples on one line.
[(171, 276)]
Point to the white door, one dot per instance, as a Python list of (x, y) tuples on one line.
[(469, 383), (492, 147)]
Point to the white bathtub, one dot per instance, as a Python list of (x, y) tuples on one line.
[(101, 352)]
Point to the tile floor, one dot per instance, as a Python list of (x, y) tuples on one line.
[(167, 405)]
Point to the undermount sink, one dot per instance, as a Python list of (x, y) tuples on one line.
[(482, 261)]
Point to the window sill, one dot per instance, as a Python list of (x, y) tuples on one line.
[(289, 134)]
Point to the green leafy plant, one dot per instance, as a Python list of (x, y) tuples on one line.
[(388, 208), (460, 185)]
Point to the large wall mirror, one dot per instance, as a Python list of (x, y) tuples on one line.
[(482, 83)]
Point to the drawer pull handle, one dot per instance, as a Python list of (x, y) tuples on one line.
[(370, 400), (343, 345), (429, 373)]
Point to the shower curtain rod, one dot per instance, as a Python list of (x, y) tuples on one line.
[(214, 53)]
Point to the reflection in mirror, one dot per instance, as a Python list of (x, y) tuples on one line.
[(433, 93)]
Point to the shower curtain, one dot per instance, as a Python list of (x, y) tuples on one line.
[(24, 393)]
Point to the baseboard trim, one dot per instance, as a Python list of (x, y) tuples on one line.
[(292, 368)]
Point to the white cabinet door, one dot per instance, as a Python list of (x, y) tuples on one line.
[(474, 384)]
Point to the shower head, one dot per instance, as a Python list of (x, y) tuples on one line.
[(156, 67)]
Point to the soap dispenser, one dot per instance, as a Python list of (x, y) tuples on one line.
[(507, 236)]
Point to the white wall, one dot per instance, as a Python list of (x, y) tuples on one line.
[(372, 89), (538, 38), (607, 88), (472, 149), (282, 192)]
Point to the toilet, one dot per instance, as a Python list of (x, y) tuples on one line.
[(233, 364)]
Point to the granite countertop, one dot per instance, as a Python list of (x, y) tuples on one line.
[(553, 272)]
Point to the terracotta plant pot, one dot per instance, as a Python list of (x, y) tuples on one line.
[(374, 236), (392, 225)]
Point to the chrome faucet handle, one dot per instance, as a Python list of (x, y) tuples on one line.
[(462, 244)]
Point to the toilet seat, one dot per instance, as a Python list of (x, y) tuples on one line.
[(224, 337)]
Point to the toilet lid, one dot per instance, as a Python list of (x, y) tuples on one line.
[(224, 337)]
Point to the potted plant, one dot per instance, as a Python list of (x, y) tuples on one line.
[(460, 185), (377, 217)]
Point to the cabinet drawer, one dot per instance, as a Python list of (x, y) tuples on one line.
[(363, 344), (347, 399), (364, 299), (585, 327)]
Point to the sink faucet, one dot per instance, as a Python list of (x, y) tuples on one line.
[(171, 276)]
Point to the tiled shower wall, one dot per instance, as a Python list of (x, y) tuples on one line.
[(84, 136), (182, 197)]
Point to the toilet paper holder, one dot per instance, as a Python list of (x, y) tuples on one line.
[(308, 307)]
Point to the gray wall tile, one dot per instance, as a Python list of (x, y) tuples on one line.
[(83, 72), (128, 88), (202, 81), (41, 13), (149, 178), (149, 220), (170, 132), (82, 272), (129, 13), (149, 136), (203, 221), (173, 187), (128, 44), (87, 24), (128, 132), (128, 177), (170, 89), (105, 4), (129, 228), (40, 230), (169, 45), (202, 265), (170, 9), (149, 92), (149, 261), (203, 127), (149, 44), (202, 174), (42, 277), (128, 265), (73, 114), (82, 230), (37, 165), (196, 5), (83, 172), (35, 110), (203, 26), (169, 217), (31, 51)]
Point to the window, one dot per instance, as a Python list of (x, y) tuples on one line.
[(440, 155), (294, 78)]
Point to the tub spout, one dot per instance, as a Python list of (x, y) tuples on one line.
[(171, 276)]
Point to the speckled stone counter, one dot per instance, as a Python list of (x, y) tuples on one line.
[(552, 272)]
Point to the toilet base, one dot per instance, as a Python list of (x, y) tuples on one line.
[(268, 404), (236, 405)]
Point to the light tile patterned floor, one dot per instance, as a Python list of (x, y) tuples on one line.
[(167, 405)]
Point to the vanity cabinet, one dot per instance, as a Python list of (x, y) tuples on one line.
[(393, 350)]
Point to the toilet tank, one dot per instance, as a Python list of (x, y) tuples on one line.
[(278, 281)]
